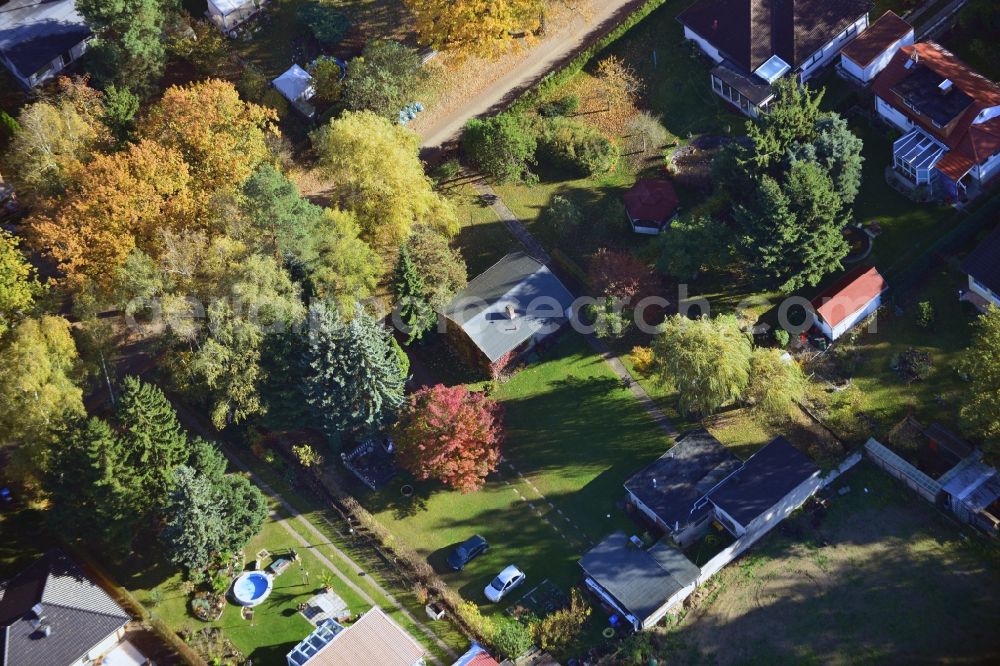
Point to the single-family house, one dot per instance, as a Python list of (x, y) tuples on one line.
[(756, 42), (772, 483), (983, 268), (40, 39), (872, 51), (229, 14), (668, 491), (296, 85), (506, 311), (949, 116), (642, 585), (374, 639), (848, 301), (650, 205), (52, 614)]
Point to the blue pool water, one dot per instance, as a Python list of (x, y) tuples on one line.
[(251, 587)]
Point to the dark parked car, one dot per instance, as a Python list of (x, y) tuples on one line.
[(466, 551)]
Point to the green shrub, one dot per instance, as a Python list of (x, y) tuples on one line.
[(570, 144), (563, 217), (563, 106), (446, 171), (327, 24), (511, 638), (925, 314), (781, 337), (502, 147), (253, 85)]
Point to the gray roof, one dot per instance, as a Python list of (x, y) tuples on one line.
[(640, 580), (983, 263), (764, 480), (754, 88), (35, 32), (976, 485), (539, 299), (676, 480), (78, 612)]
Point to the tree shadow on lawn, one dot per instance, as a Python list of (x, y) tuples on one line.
[(578, 425), (391, 498), (894, 582), (272, 654), (519, 537)]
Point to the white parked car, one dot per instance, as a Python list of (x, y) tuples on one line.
[(505, 581)]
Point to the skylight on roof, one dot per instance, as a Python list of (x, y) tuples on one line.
[(773, 69)]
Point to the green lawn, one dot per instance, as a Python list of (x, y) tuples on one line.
[(576, 435), (324, 519), (675, 75), (157, 586), (277, 626), (908, 228), (883, 394), (482, 238)]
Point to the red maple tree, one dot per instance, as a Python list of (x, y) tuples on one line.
[(449, 434), (620, 275)]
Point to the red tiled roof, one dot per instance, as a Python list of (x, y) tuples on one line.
[(651, 200), (879, 36), (483, 659), (848, 295), (969, 144)]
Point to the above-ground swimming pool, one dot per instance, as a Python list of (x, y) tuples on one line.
[(251, 588)]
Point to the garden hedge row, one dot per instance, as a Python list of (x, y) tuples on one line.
[(529, 97)]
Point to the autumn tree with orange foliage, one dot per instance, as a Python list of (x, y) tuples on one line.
[(449, 434), (476, 27), (620, 275), (197, 141), (115, 204), (222, 138)]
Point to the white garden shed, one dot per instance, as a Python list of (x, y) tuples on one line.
[(228, 14), (296, 85)]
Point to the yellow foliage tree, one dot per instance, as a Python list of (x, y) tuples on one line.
[(479, 27), (376, 173), (117, 203), (56, 134), (222, 138)]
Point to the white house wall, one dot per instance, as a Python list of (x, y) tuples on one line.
[(645, 509), (984, 292), (831, 49), (790, 502), (853, 68), (849, 322), (880, 63), (871, 70), (675, 599), (704, 45), (890, 114), (989, 168)]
